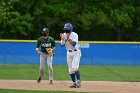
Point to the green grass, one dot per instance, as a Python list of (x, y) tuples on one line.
[(95, 73), (35, 91)]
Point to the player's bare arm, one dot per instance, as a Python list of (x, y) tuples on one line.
[(62, 39)]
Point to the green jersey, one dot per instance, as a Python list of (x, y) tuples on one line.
[(45, 43)]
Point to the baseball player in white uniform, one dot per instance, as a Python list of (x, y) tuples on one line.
[(70, 40)]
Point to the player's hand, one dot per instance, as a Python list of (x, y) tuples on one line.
[(39, 53), (62, 36)]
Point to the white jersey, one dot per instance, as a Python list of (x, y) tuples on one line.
[(74, 37)]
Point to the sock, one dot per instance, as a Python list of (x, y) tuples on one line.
[(72, 77), (77, 73)]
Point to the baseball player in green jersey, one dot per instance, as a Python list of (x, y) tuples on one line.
[(43, 43)]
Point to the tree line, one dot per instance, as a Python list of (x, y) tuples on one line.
[(93, 20)]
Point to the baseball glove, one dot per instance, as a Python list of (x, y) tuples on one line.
[(50, 51)]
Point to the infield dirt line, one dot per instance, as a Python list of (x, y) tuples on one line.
[(61, 85)]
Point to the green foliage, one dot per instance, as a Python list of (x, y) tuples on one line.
[(99, 19), (14, 25)]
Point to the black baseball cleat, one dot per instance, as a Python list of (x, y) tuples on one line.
[(73, 86), (39, 80), (51, 82)]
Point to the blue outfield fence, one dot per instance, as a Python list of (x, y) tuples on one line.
[(93, 53)]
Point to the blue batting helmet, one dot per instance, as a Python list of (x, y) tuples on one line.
[(68, 26)]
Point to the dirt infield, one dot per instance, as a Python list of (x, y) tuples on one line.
[(87, 86)]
